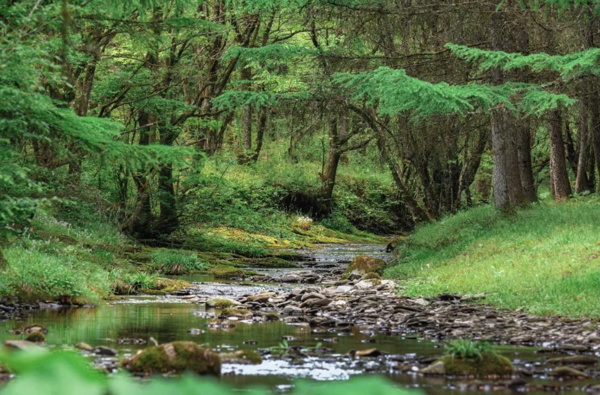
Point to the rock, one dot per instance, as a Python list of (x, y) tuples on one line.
[(574, 360), (420, 302), (290, 278), (372, 352), (316, 303), (21, 345), (227, 272), (36, 337), (195, 331), (490, 364), (242, 357), (262, 297), (84, 346), (311, 295), (340, 290), (271, 316), (364, 264), (290, 310), (437, 368), (35, 328), (222, 303), (175, 357), (105, 351), (565, 372), (236, 313), (364, 284)]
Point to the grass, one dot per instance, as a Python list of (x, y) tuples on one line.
[(177, 262), (545, 260)]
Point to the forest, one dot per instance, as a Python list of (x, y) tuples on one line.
[(274, 190)]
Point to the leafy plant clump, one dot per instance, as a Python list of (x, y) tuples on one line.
[(468, 349), (175, 262)]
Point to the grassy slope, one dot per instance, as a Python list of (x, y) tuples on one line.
[(546, 260)]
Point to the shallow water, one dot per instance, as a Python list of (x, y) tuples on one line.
[(171, 318)]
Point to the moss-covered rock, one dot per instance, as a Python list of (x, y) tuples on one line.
[(221, 303), (364, 265), (175, 357), (36, 337), (226, 272), (490, 364), (372, 276)]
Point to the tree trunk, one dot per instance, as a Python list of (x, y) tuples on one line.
[(168, 220), (260, 133), (558, 174), (330, 170), (582, 183), (508, 189), (139, 224), (525, 164), (246, 117), (501, 198)]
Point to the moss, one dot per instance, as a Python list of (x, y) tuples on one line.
[(226, 272), (36, 337), (164, 286), (490, 364), (219, 303), (372, 276), (175, 357), (271, 262), (365, 264)]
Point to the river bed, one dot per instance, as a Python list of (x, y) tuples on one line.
[(128, 325)]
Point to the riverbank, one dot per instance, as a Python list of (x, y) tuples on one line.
[(80, 260), (545, 260)]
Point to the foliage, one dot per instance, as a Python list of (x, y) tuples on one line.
[(38, 373), (569, 66), (467, 349)]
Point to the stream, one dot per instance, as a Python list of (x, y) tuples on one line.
[(127, 325)]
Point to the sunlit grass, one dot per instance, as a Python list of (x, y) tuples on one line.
[(546, 260)]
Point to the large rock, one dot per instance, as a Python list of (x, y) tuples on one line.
[(21, 345), (365, 264), (490, 364), (222, 303), (436, 368), (175, 357), (567, 372)]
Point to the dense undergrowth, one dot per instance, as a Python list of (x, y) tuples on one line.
[(237, 216), (546, 259)]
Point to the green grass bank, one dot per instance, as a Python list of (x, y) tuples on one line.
[(545, 260)]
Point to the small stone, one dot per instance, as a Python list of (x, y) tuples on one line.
[(105, 351), (437, 368), (372, 352), (84, 346), (565, 371)]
